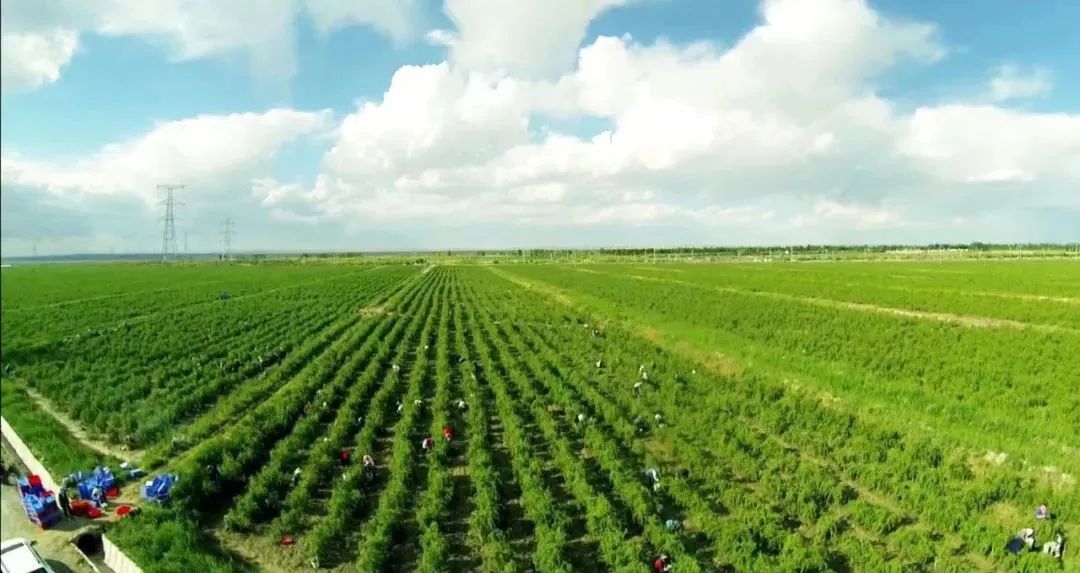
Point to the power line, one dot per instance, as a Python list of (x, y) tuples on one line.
[(168, 231), (227, 234)]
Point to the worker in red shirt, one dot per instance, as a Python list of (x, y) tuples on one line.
[(662, 563), (345, 455), (448, 432)]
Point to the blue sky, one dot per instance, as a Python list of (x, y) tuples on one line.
[(563, 122)]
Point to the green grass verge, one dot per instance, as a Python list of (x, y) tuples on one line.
[(53, 445)]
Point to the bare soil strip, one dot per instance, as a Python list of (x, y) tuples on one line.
[(78, 431), (972, 321)]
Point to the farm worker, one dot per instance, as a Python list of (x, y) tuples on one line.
[(581, 418), (296, 476), (448, 432), (673, 525), (427, 444), (1054, 548), (345, 455), (64, 503), (461, 405), (212, 473), (400, 407), (658, 419), (396, 368), (652, 475), (637, 388), (645, 376), (600, 363), (417, 402), (97, 495), (662, 563), (369, 462), (639, 424), (1027, 535), (359, 419), (641, 369), (1043, 512)]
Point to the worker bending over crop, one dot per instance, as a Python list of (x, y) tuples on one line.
[(428, 444), (1055, 547)]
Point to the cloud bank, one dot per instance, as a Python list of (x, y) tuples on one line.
[(781, 136)]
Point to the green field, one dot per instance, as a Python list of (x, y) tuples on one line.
[(815, 416)]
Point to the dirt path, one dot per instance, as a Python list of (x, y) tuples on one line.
[(53, 544), (77, 430), (973, 321)]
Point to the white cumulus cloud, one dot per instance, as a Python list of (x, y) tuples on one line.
[(205, 152), (39, 38), (780, 135), (29, 60), (1012, 82), (524, 37)]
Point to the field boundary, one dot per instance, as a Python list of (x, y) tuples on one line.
[(116, 559), (76, 430), (26, 455)]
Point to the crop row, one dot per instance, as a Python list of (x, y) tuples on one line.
[(898, 289), (353, 494), (45, 324), (937, 488), (323, 455), (164, 390), (989, 386), (238, 450)]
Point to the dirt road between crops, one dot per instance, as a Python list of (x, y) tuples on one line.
[(77, 430), (973, 321), (52, 544)]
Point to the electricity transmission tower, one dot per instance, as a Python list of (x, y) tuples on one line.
[(227, 233), (168, 231)]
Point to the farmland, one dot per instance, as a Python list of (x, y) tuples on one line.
[(848, 416)]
